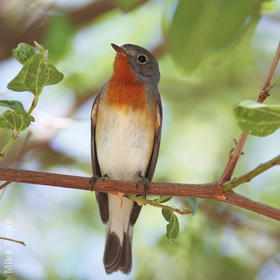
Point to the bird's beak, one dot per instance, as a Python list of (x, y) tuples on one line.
[(118, 49)]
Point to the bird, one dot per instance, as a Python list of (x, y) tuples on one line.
[(126, 124)]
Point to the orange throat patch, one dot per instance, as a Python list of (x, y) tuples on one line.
[(124, 91)]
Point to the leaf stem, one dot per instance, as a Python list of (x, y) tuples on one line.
[(17, 132), (9, 144), (142, 201), (33, 105)]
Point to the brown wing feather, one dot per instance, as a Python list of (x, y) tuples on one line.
[(152, 164), (102, 198), (154, 156)]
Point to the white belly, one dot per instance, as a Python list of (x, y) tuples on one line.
[(124, 143)]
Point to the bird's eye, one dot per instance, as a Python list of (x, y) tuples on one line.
[(142, 58)]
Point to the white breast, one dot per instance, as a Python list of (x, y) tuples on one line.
[(124, 143)]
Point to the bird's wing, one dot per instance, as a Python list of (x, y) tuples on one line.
[(154, 156), (152, 164), (102, 198)]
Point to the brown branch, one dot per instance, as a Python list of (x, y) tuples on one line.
[(244, 202), (233, 158), (209, 191), (235, 154)]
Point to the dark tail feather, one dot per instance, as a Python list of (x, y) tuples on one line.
[(126, 255), (117, 256)]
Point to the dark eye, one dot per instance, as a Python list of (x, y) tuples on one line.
[(142, 59)]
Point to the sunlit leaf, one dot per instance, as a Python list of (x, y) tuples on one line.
[(23, 52), (35, 74), (193, 203), (256, 118)]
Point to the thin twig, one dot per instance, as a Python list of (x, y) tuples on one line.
[(264, 93), (235, 154), (13, 240), (142, 201), (233, 158), (252, 174)]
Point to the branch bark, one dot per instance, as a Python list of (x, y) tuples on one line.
[(209, 191)]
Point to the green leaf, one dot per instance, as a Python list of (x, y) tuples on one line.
[(172, 228), (203, 28), (23, 52), (193, 203), (12, 104), (54, 76), (166, 214), (256, 118), (3, 276), (163, 199), (15, 120), (35, 74)]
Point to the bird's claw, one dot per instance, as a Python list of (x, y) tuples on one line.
[(94, 178), (144, 181)]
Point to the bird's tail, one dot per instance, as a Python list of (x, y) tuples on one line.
[(118, 253)]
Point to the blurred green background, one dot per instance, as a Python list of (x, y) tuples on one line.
[(212, 54)]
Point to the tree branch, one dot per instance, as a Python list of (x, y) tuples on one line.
[(236, 152), (244, 202), (209, 191)]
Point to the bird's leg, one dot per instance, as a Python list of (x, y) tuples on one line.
[(94, 178), (144, 181)]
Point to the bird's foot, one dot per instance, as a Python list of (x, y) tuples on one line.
[(144, 181), (94, 178)]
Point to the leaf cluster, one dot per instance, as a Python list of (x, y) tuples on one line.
[(36, 73)]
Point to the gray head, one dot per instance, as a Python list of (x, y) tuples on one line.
[(142, 63)]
